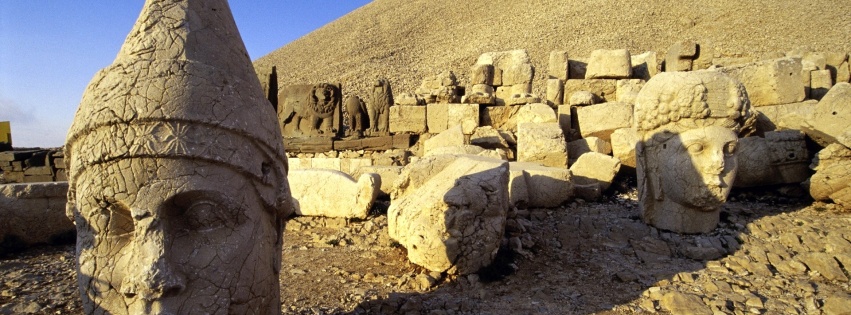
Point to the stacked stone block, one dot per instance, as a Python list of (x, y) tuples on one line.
[(32, 166)]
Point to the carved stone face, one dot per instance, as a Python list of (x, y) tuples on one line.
[(697, 167), (168, 236)]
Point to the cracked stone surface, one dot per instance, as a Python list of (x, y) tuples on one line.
[(686, 161), (330, 193), (449, 211), (177, 173)]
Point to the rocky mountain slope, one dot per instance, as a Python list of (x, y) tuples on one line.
[(407, 40)]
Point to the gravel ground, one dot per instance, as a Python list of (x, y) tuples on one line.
[(769, 255), (407, 40)]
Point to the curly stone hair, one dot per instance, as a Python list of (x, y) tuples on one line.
[(676, 101)]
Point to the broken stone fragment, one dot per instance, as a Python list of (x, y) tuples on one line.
[(33, 213), (604, 89), (833, 172), (781, 157), (770, 82), (469, 150), (828, 121), (680, 56), (558, 66), (542, 143), (448, 138), (601, 120), (449, 211), (408, 119), (594, 168), (333, 194), (536, 186), (623, 146), (388, 175)]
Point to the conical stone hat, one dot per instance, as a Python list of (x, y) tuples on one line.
[(182, 86)]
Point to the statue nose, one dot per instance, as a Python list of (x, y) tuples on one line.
[(151, 276), (716, 163)]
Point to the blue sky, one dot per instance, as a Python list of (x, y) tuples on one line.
[(51, 49)]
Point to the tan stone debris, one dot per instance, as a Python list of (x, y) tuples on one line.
[(334, 194), (450, 211)]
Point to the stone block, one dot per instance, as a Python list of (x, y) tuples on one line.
[(609, 64), (623, 146), (334, 194), (536, 186), (500, 117), (680, 56), (442, 116), (449, 212), (38, 178), (300, 163), (407, 118), (409, 99), (38, 170), (14, 177), (627, 90), (832, 166), (576, 68), (602, 120), (828, 122), (502, 93), (583, 98), (481, 74), (784, 116), (820, 83), (645, 65), (535, 113), (843, 72), (327, 164), (9, 156), (578, 147), (564, 119), (605, 89), (542, 143), (770, 82), (814, 60), (521, 73), (781, 157), (489, 138), (388, 175), (558, 66), (467, 149), (448, 138), (555, 92), (351, 165), (522, 99), (34, 214), (520, 89), (595, 168)]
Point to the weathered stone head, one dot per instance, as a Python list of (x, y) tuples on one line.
[(689, 122), (177, 172)]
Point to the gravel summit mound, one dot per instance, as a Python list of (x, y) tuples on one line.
[(407, 40)]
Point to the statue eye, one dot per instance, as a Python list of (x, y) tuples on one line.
[(730, 148), (205, 215), (114, 219), (695, 148)]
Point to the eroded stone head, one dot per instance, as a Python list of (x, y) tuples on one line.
[(689, 122), (177, 172)]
